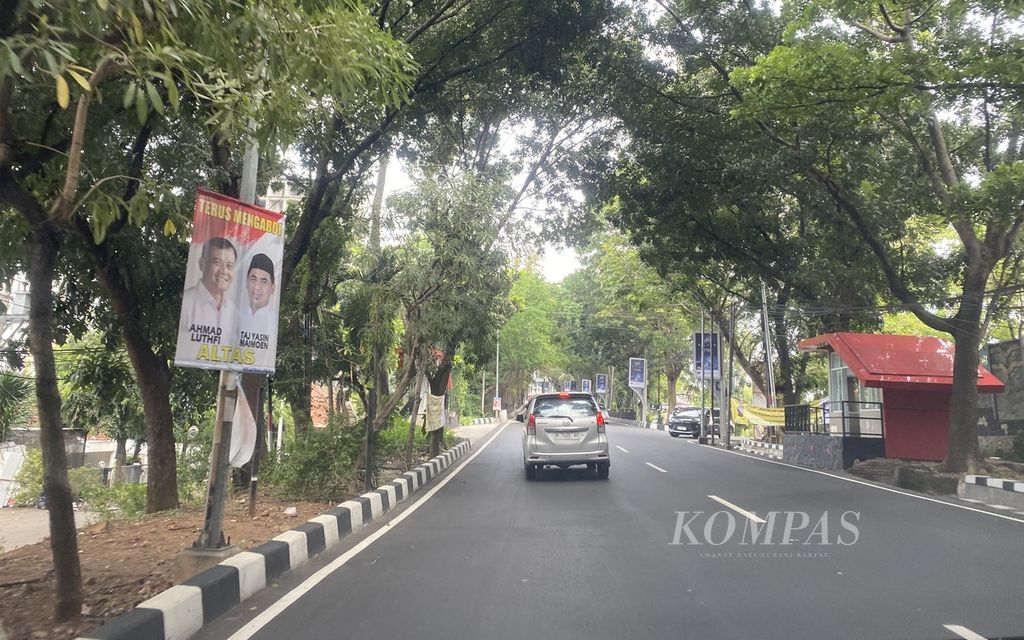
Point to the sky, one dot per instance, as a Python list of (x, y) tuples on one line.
[(559, 262)]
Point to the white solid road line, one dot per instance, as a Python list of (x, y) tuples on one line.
[(866, 484), (622, 449), (271, 612), (655, 467), (739, 510), (963, 632)]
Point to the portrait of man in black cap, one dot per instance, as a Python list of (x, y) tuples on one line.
[(257, 320)]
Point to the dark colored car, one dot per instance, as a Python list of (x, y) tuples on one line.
[(685, 421)]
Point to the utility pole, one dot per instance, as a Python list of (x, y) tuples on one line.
[(611, 377), (497, 370), (701, 366), (769, 374), (483, 390), (732, 354)]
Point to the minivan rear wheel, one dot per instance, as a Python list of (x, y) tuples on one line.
[(602, 470), (531, 471)]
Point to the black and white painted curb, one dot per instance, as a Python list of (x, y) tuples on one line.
[(484, 421), (996, 483), (765, 449), (182, 610), (1003, 495)]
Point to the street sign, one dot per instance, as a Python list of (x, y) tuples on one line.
[(637, 373), (586, 385), (601, 385), (705, 355), (496, 405)]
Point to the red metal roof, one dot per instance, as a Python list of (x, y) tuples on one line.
[(908, 362)]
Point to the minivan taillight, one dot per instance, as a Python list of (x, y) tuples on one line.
[(531, 426), (600, 421)]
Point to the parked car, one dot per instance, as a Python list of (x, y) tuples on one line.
[(685, 421), (562, 430)]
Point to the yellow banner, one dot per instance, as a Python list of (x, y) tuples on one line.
[(745, 414)]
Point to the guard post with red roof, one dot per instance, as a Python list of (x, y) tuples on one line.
[(889, 396)]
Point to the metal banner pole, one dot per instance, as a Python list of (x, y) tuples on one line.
[(212, 535), (701, 366)]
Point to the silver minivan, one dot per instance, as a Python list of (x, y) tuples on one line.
[(562, 430)]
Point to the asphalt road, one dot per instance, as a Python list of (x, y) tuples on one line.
[(492, 555)]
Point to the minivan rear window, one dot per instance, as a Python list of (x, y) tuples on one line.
[(572, 407)]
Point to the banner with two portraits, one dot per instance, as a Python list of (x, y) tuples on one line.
[(229, 308)]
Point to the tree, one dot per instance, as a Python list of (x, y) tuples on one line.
[(531, 339), (100, 392), (908, 116), (456, 278), (628, 310), (159, 57)]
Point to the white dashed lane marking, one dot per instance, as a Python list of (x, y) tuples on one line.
[(622, 449), (963, 632), (739, 510), (655, 467)]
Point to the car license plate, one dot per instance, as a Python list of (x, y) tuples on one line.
[(566, 435)]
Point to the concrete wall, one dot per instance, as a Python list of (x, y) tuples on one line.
[(813, 450), (829, 452)]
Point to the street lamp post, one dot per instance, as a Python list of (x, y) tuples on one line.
[(497, 371)]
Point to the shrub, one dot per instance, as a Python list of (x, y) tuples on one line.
[(119, 501), (29, 478), (193, 469), (319, 466), (392, 440), (1018, 446)]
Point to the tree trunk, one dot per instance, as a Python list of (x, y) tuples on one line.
[(412, 420), (153, 377), (63, 536), (120, 459), (301, 415), (785, 384), (963, 454), (756, 379), (672, 377), (438, 387)]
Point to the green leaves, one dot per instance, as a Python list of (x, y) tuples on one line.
[(103, 211)]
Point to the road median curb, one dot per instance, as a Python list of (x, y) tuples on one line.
[(181, 611)]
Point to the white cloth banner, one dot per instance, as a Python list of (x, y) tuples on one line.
[(243, 430), (435, 412)]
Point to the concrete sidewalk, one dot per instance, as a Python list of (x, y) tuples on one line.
[(476, 432), (20, 526)]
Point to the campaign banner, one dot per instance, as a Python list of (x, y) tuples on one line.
[(229, 308), (586, 385), (637, 373), (601, 383)]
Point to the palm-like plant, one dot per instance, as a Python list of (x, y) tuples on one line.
[(15, 401)]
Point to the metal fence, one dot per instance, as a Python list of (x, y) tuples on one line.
[(848, 418)]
